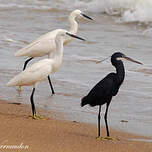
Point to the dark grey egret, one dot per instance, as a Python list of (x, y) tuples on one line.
[(108, 87)]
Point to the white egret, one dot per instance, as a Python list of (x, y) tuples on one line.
[(45, 44), (39, 71)]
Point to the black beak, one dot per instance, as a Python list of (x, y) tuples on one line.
[(75, 36), (130, 59), (86, 16)]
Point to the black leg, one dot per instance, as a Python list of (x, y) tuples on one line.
[(105, 117), (99, 121), (25, 64), (32, 102), (51, 85)]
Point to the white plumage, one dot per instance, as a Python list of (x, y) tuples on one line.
[(39, 71), (45, 44), (35, 73)]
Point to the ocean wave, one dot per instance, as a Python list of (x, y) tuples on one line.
[(126, 10)]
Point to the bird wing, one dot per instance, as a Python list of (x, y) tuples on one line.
[(102, 91), (40, 47), (104, 88), (35, 73), (50, 34)]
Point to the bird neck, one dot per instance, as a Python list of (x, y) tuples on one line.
[(73, 24), (73, 28), (120, 71), (58, 54), (59, 48)]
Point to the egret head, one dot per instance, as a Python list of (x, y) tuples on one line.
[(118, 57), (78, 13)]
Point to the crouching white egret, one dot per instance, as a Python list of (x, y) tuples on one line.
[(39, 71)]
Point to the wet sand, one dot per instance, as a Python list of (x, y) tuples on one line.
[(53, 135)]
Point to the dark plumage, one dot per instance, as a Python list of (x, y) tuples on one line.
[(108, 87)]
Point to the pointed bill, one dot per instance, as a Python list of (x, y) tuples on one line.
[(72, 35), (132, 60), (86, 16)]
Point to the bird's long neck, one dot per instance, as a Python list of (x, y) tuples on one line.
[(73, 24), (58, 54), (120, 71), (59, 49), (73, 28)]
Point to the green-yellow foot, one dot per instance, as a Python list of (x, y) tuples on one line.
[(106, 138), (37, 117), (110, 138), (100, 138), (19, 89)]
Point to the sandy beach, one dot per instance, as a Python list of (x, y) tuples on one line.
[(52, 135)]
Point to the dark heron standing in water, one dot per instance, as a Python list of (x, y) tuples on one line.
[(108, 87)]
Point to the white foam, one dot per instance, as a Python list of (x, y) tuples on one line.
[(128, 10)]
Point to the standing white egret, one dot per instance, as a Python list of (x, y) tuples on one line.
[(45, 44), (39, 71)]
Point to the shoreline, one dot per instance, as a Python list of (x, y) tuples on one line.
[(17, 128)]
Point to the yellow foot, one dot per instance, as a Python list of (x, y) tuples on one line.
[(19, 89), (100, 138), (106, 138), (36, 117), (110, 138)]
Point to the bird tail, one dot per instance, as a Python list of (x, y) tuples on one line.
[(84, 101), (87, 100), (11, 83), (20, 52)]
